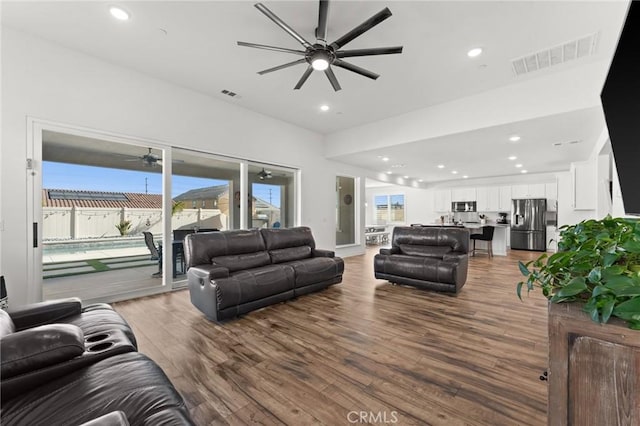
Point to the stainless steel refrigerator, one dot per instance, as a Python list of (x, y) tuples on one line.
[(528, 228)]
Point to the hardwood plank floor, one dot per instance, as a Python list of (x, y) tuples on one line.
[(393, 352)]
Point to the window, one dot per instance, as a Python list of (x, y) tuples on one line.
[(389, 208)]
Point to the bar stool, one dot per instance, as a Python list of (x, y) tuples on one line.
[(487, 235)]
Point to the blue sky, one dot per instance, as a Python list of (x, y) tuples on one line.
[(90, 178)]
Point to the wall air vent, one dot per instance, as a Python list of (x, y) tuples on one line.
[(230, 93), (575, 49)]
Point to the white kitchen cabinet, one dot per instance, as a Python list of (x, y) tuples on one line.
[(463, 194), (552, 239), (442, 200), (583, 177), (488, 198), (505, 198), (534, 190), (551, 193), (509, 237)]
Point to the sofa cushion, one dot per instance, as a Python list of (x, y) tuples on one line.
[(237, 262), (130, 382), (279, 238), (200, 248), (253, 284), (316, 269), (436, 252), (289, 254), (456, 239), (420, 268)]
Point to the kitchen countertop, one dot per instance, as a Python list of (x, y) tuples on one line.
[(471, 225)]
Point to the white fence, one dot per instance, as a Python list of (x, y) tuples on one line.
[(73, 223)]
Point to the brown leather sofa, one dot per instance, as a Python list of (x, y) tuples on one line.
[(64, 364), (234, 272), (434, 258)]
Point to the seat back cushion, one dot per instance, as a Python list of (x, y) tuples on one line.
[(426, 251), (456, 239), (201, 248), (6, 325), (238, 262), (288, 244)]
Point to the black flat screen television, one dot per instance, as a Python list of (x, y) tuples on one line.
[(621, 104)]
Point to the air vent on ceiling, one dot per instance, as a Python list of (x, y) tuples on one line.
[(556, 55), (567, 143), (230, 93)]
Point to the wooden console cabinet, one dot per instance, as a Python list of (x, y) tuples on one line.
[(594, 370)]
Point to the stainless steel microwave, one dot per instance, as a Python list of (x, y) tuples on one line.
[(463, 206)]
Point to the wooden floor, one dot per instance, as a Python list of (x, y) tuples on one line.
[(392, 352)]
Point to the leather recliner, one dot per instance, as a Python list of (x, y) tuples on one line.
[(234, 272), (61, 363), (434, 258)]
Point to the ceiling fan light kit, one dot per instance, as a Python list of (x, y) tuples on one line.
[(321, 56)]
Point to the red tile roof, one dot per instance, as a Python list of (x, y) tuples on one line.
[(134, 200)]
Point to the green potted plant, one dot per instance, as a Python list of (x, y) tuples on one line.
[(598, 264), (124, 226)]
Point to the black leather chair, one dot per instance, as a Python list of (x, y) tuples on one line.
[(156, 252), (487, 236), (434, 258)]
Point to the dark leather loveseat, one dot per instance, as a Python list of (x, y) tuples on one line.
[(234, 272), (62, 364), (434, 258)]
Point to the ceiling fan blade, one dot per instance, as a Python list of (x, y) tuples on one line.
[(304, 77), (279, 67), (365, 26), (356, 69), (323, 11), (279, 22), (276, 48), (332, 78), (369, 52)]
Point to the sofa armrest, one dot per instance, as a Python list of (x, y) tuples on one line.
[(209, 272), (39, 347), (322, 253), (389, 251), (42, 313), (114, 418)]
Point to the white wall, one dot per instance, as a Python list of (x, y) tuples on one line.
[(46, 81), (419, 206)]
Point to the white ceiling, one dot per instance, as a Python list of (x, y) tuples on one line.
[(199, 52)]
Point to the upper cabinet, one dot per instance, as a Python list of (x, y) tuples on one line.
[(551, 192), (505, 198), (463, 194), (488, 198), (442, 200), (583, 177), (534, 190)]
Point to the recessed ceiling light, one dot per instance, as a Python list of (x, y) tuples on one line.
[(389, 172), (523, 171), (406, 177), (324, 107), (455, 172), (514, 138), (518, 165), (119, 13), (420, 180), (385, 158), (465, 176), (474, 52), (441, 166), (513, 157)]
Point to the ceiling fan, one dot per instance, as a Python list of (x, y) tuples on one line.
[(264, 174), (321, 56), (148, 160)]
